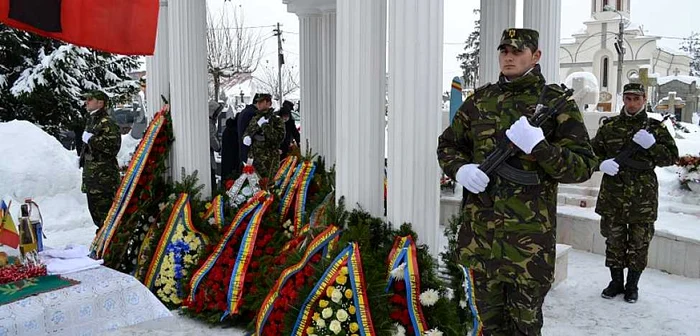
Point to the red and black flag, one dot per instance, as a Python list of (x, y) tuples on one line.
[(125, 27)]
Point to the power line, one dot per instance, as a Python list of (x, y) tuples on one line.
[(237, 28)]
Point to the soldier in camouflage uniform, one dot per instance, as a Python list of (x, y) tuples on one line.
[(263, 136), (630, 145), (99, 157), (509, 246)]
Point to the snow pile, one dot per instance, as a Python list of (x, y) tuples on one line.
[(34, 164), (669, 184)]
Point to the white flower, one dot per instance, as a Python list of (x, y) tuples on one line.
[(247, 191), (336, 296), (161, 206), (397, 273), (463, 304), (400, 330), (212, 221), (321, 323), (449, 294), (334, 327), (151, 219), (327, 312), (433, 332), (172, 197), (429, 297), (342, 315)]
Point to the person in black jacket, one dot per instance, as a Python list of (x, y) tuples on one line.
[(230, 150), (292, 135)]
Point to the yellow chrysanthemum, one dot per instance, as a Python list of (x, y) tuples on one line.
[(329, 291), (323, 303), (348, 294), (310, 330), (354, 327), (341, 280), (317, 316), (344, 270), (351, 309)]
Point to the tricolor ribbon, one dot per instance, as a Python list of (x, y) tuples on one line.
[(242, 214), (317, 245), (245, 253), (181, 215), (404, 251), (317, 215), (216, 209), (290, 191), (349, 257), (127, 187), (303, 189), (287, 165), (477, 327)]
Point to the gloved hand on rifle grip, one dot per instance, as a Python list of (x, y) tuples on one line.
[(524, 135), (472, 178), (644, 139)]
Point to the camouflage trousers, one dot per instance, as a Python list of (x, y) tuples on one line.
[(505, 307), (99, 203), (626, 243)]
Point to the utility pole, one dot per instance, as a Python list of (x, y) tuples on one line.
[(280, 62)]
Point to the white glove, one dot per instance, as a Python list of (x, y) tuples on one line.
[(644, 139), (524, 135), (472, 178), (247, 141), (610, 167), (262, 121), (86, 136)]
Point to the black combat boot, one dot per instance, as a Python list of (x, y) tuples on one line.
[(631, 289), (616, 286)]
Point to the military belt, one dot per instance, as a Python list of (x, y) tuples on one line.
[(634, 164)]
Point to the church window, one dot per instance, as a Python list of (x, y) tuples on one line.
[(605, 72), (619, 5), (605, 3)]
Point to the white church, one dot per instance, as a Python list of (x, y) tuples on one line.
[(593, 50)]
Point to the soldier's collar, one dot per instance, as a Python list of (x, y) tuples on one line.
[(94, 111)]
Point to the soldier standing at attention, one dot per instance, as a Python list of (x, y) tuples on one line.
[(509, 246), (99, 157), (263, 137), (630, 145)]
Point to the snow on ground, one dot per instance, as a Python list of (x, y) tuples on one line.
[(668, 304)]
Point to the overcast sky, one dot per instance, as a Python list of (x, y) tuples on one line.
[(658, 18)]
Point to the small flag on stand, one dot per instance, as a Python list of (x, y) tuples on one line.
[(8, 230)]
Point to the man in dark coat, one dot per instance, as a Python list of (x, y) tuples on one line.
[(230, 150), (292, 135)]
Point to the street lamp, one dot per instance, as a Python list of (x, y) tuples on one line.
[(619, 47)]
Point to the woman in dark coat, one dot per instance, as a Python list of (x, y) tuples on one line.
[(229, 150), (291, 131)]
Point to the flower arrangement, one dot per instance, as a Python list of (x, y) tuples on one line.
[(689, 169), (141, 190)]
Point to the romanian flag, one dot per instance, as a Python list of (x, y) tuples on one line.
[(8, 230), (126, 27)]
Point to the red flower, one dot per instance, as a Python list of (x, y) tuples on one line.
[(248, 169), (399, 286), (228, 184), (269, 250)]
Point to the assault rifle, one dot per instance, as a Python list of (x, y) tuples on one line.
[(495, 162), (625, 156)]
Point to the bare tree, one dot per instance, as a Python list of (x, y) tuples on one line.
[(267, 80), (230, 49)]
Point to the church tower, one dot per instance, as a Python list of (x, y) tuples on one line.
[(598, 7)]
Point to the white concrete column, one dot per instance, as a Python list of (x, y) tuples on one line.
[(545, 17), (415, 96), (360, 103), (310, 72), (188, 78), (495, 17), (157, 66), (327, 80)]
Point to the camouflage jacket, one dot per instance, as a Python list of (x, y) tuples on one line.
[(632, 192), (99, 156), (519, 229), (266, 140)]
